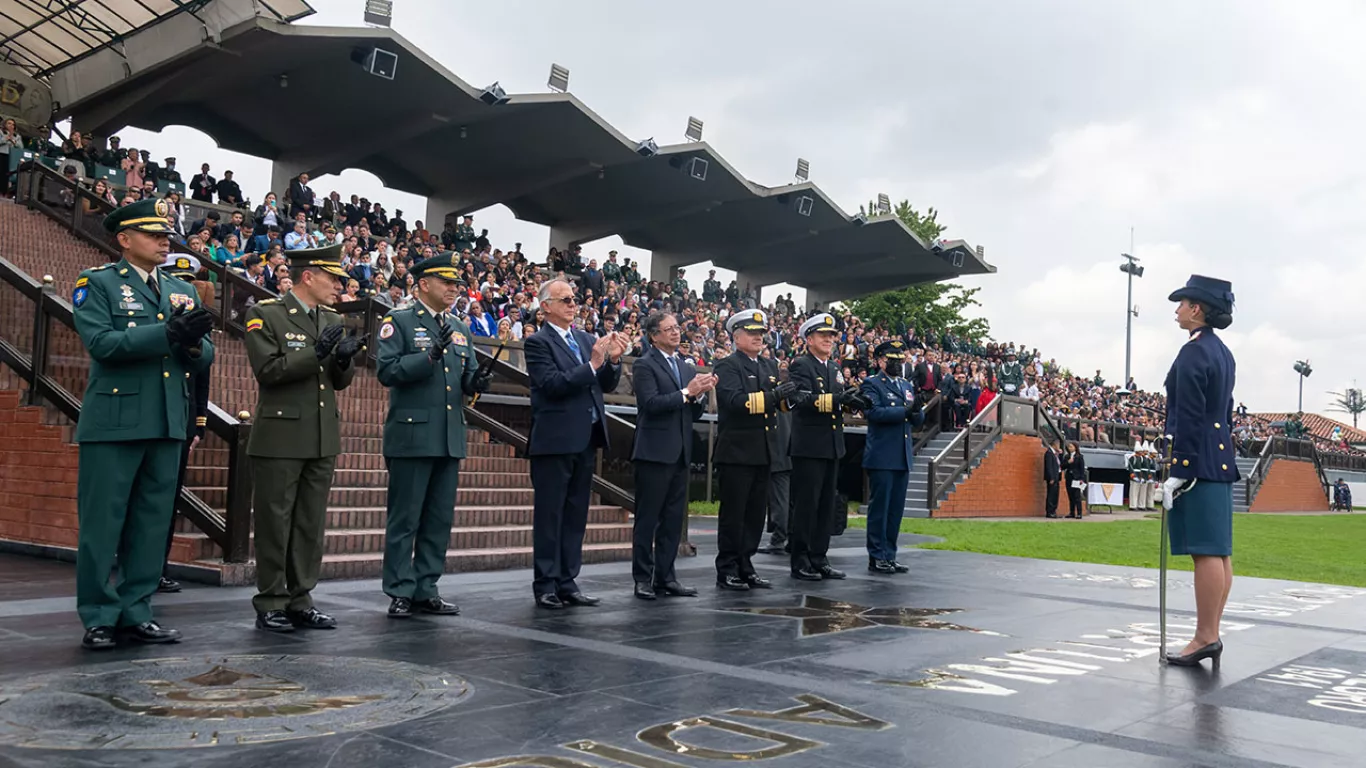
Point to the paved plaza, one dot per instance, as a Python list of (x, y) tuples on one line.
[(969, 660)]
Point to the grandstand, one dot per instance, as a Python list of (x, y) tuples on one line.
[(551, 160)]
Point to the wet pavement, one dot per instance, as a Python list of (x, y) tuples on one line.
[(968, 660)]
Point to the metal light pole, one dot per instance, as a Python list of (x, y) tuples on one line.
[(1132, 269), (1303, 368)]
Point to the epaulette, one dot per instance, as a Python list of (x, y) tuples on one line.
[(263, 302), (102, 266)]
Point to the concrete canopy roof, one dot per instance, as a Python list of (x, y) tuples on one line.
[(548, 157)]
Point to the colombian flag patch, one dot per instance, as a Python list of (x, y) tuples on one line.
[(255, 324)]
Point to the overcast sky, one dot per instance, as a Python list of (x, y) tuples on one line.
[(1228, 135)]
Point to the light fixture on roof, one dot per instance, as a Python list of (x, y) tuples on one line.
[(376, 61), (647, 148), (379, 13), (494, 95), (694, 131), (803, 170), (884, 204), (559, 79), (860, 219)]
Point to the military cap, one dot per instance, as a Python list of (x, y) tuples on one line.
[(441, 265), (893, 350), (327, 259), (748, 320), (180, 265), (821, 322), (170, 160), (1208, 290), (151, 216), (114, 140)]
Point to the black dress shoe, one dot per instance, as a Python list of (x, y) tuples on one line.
[(1212, 651), (152, 633), (167, 586), (437, 606), (549, 602), (274, 621), (899, 568), (99, 639), (830, 573), (881, 566), (806, 574), (311, 619), (733, 583), (644, 591), (674, 589), (755, 581), (1051, 517), (401, 608), (579, 598)]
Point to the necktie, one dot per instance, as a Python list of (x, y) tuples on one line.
[(152, 283), (573, 346)]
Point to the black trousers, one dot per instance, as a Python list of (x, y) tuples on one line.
[(661, 506), (813, 487), (562, 482), (180, 483), (1050, 503), (740, 521), (1073, 500)]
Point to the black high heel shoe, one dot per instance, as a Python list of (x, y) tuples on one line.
[(1212, 651)]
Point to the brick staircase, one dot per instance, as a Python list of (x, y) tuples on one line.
[(493, 506)]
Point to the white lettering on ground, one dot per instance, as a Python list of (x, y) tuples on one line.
[(1337, 689)]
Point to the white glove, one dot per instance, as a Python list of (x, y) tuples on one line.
[(1173, 487)]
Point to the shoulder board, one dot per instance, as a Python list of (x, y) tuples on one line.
[(102, 266), (328, 309), (387, 319), (264, 302)]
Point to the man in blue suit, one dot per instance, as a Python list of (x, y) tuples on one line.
[(569, 371), (893, 414), (669, 398)]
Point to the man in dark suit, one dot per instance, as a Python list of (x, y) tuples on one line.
[(569, 372), (300, 196), (1052, 474), (202, 185), (817, 447), (669, 398), (747, 400), (928, 375), (960, 399), (229, 192)]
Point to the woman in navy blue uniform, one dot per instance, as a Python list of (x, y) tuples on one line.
[(1202, 469)]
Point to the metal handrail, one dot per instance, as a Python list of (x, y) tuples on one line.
[(1257, 474), (935, 425), (969, 452)]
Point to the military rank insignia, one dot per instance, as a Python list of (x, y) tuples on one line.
[(255, 324), (386, 330)]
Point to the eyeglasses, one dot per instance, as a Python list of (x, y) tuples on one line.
[(569, 300), (671, 329)]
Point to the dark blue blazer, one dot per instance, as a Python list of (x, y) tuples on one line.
[(665, 419), (1200, 410), (890, 443), (564, 392)]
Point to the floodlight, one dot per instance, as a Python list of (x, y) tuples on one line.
[(884, 204), (494, 95), (647, 148), (803, 170), (694, 131), (379, 13), (559, 78)]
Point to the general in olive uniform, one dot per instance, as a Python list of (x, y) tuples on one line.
[(680, 286), (817, 447), (748, 396), (146, 335), (711, 288), (427, 362), (893, 413), (1202, 469), (301, 357)]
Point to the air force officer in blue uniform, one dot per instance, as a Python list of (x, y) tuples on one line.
[(889, 453), (569, 371), (1202, 469)]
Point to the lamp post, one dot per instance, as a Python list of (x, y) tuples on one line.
[(1303, 368), (1131, 268)]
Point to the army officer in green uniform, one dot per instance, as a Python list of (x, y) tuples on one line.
[(426, 360), (301, 357), (146, 335)]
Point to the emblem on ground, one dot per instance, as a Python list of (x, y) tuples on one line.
[(214, 701)]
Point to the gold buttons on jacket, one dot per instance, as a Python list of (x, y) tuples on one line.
[(448, 369), (165, 374), (322, 387), (1216, 425), (448, 408), (116, 390), (1221, 446), (1186, 462), (160, 316), (410, 420), (448, 388), (321, 404), (187, 374), (1225, 466), (279, 413), (130, 311)]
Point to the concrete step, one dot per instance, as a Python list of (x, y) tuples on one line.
[(342, 496), (214, 477), (343, 518)]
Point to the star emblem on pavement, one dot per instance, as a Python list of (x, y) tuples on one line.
[(823, 616)]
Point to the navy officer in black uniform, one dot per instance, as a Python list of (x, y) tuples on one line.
[(1202, 469), (817, 447), (893, 413)]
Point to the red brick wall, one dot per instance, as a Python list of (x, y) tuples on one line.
[(1291, 486), (37, 477), (1008, 483)]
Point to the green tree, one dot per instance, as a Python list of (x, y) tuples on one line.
[(940, 306), (1349, 401)]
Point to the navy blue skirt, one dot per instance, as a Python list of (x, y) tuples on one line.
[(1201, 520)]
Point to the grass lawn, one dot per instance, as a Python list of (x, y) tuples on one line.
[(1329, 549)]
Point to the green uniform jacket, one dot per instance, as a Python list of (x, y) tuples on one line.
[(680, 287), (139, 386), (426, 399), (296, 413)]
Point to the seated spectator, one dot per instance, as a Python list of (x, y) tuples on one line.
[(101, 192), (263, 242), (480, 323), (230, 252), (352, 291), (362, 271), (299, 238)]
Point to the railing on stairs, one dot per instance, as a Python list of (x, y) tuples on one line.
[(229, 531), (957, 457), (1279, 447), (1257, 474), (933, 423)]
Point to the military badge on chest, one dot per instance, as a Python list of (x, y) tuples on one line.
[(126, 301), (179, 300), (295, 340), (422, 339)]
